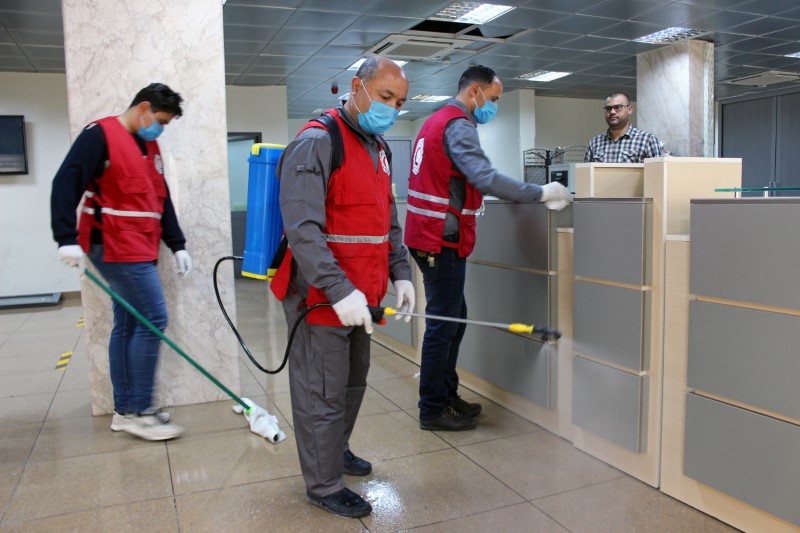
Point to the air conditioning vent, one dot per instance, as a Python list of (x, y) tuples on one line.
[(399, 46), (762, 79)]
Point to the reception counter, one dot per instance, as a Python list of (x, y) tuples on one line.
[(680, 318)]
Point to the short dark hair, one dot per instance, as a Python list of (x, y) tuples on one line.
[(628, 98), (161, 98), (476, 73)]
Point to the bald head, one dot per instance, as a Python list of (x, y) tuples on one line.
[(378, 79)]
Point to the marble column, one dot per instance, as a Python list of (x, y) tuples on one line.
[(675, 97), (112, 50)]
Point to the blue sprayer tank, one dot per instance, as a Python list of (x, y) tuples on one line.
[(264, 223)]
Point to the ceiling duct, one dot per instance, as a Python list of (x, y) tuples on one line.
[(398, 46), (762, 79)]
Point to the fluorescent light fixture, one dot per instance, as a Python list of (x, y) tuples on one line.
[(357, 64), (471, 12), (543, 75), (403, 112), (796, 54), (670, 35), (345, 96), (428, 98)]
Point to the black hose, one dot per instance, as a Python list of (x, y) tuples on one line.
[(236, 332)]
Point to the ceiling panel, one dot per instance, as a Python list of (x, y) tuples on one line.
[(407, 8), (256, 16), (582, 24), (766, 7), (308, 44)]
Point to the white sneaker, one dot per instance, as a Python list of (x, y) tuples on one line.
[(117, 419), (149, 427)]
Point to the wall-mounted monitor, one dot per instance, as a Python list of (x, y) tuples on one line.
[(13, 157)]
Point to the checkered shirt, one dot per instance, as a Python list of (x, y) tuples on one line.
[(632, 147)]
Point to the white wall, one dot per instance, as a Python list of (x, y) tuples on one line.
[(259, 109), (28, 260), (568, 121)]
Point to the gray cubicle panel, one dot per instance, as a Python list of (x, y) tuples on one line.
[(746, 355), (519, 235), (610, 403), (750, 456), (611, 239), (612, 324), (512, 362), (506, 295), (746, 250)]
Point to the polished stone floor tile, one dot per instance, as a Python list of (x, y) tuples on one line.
[(539, 464), (269, 506), (29, 362), (16, 442), (522, 517), (390, 435), (9, 477), (70, 404), (26, 384), (89, 482), (157, 515), (429, 488), (494, 422), (216, 418), (626, 506), (24, 409), (390, 366), (238, 457), (76, 377), (61, 438), (403, 392)]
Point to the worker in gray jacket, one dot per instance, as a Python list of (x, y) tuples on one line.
[(345, 244)]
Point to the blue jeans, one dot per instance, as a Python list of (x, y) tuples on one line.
[(444, 291), (133, 348)]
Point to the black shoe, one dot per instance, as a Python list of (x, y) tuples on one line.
[(463, 407), (450, 420), (344, 503), (354, 465)]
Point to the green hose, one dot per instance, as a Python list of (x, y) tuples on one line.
[(120, 300)]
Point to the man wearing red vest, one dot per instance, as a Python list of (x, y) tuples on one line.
[(345, 244), (449, 176), (114, 174)]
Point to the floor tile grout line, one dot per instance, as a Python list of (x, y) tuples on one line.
[(27, 460)]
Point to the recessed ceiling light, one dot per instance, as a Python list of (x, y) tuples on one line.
[(670, 35), (796, 54), (543, 75), (403, 112), (470, 12), (429, 98), (357, 64)]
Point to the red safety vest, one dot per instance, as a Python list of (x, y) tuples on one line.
[(429, 190), (130, 196), (357, 222)]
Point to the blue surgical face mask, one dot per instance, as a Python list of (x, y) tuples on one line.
[(486, 112), (151, 132), (378, 118)]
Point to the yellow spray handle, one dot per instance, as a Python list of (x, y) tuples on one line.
[(388, 311), (520, 328)]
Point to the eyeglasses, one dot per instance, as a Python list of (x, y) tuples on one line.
[(616, 108)]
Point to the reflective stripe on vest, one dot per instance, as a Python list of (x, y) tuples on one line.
[(429, 197), (425, 212), (137, 214), (356, 239)]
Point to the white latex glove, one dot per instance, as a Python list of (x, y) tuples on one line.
[(405, 297), (352, 311), (71, 255), (555, 196), (184, 263)]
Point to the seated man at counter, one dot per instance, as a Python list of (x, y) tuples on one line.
[(621, 143)]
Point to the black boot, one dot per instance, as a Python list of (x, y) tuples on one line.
[(344, 503), (450, 420), (354, 465), (463, 407)]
